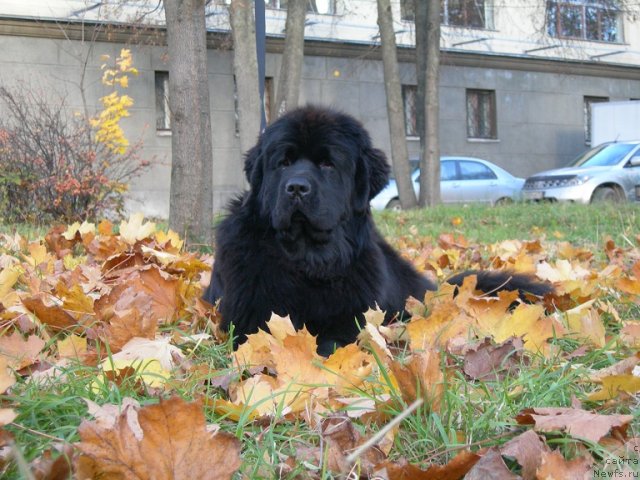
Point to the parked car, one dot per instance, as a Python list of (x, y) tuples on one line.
[(462, 180), (608, 172)]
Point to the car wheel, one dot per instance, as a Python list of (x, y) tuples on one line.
[(606, 194), (394, 205), (504, 201)]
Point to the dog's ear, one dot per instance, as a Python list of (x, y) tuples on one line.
[(372, 174), (252, 165)]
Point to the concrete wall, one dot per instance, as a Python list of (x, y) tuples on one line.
[(539, 106)]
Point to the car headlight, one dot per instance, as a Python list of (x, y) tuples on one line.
[(578, 180)]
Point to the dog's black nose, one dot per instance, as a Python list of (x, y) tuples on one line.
[(297, 187)]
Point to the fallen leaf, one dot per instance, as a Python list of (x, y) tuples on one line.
[(614, 385), (174, 444), (420, 377), (7, 415), (136, 229), (348, 366), (554, 467), (7, 378), (126, 325), (527, 448), (20, 352), (53, 464), (491, 465), (576, 422), (456, 469), (48, 312), (487, 360), (150, 360)]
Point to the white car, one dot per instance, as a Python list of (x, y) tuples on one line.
[(608, 172), (462, 180)]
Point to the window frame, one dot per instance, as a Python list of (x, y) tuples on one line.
[(407, 14), (555, 9), (163, 110), (410, 110), (475, 131)]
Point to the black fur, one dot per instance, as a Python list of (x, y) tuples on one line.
[(302, 241)]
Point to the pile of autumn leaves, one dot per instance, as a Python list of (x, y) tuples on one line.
[(88, 295)]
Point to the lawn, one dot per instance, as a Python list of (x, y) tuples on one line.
[(109, 363)]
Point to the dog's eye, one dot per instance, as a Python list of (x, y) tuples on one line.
[(326, 163)]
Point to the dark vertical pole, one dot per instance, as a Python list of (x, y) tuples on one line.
[(261, 53)]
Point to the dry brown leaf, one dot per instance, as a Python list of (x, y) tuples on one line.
[(491, 465), (163, 291), (53, 464), (173, 444), (630, 334), (554, 467), (420, 377), (340, 439), (7, 415), (128, 324), (48, 312), (486, 361), (7, 378), (18, 352), (576, 422), (456, 469), (628, 285), (527, 448), (622, 367)]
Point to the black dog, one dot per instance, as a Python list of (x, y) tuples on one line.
[(302, 241)]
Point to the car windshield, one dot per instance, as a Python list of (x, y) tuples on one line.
[(413, 166), (603, 156)]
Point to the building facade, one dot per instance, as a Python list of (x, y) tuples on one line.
[(516, 83)]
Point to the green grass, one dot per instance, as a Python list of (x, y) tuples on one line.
[(578, 224)]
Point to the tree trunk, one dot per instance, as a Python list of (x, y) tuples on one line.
[(430, 154), (245, 67), (191, 196), (395, 107), (291, 66)]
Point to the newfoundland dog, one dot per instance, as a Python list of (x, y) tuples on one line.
[(302, 241)]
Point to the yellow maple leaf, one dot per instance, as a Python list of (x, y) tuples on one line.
[(348, 366), (527, 321), (8, 278), (613, 385), (585, 322), (136, 229), (77, 227)]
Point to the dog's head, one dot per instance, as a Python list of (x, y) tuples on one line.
[(312, 171)]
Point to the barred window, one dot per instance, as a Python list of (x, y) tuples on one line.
[(409, 101), (585, 19), (463, 13), (163, 114), (459, 13), (481, 114)]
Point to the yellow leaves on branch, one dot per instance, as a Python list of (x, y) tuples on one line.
[(115, 106)]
